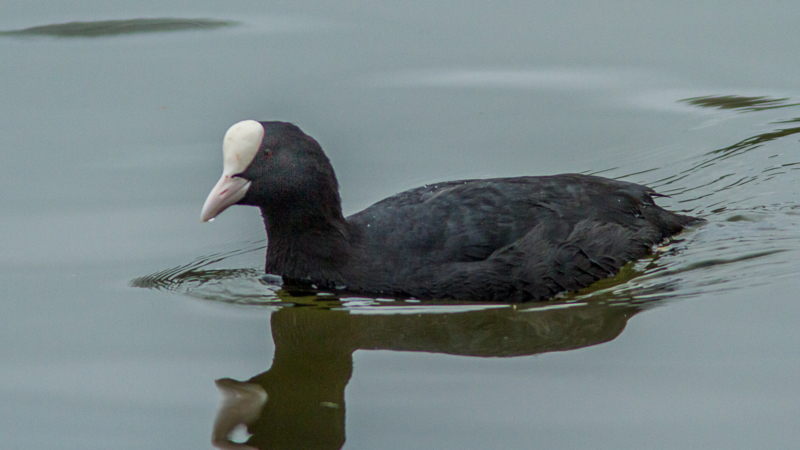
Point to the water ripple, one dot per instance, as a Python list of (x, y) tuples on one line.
[(102, 28), (738, 102)]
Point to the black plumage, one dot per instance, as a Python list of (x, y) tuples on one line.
[(505, 239)]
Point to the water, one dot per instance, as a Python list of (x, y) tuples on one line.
[(121, 311)]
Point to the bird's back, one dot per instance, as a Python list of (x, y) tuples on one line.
[(440, 239)]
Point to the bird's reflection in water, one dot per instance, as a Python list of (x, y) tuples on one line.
[(299, 401), (241, 405)]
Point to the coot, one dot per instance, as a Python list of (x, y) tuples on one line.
[(502, 239)]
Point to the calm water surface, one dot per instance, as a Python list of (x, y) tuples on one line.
[(128, 324)]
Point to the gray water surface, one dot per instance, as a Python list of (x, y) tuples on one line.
[(124, 318)]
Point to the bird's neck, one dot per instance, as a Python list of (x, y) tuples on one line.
[(308, 248)]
